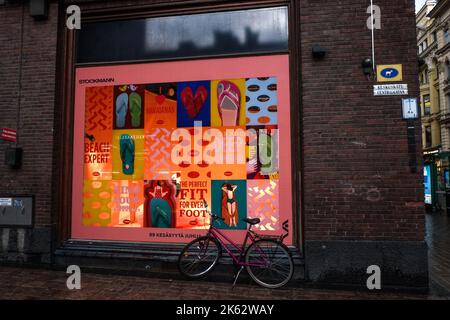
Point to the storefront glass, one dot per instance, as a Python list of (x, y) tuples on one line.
[(159, 139), (184, 36)]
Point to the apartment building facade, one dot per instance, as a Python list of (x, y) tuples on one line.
[(434, 72)]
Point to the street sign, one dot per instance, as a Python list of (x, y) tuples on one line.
[(409, 108), (390, 90), (390, 73), (5, 202), (8, 134)]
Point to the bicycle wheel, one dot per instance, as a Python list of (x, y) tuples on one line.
[(269, 263), (199, 257)]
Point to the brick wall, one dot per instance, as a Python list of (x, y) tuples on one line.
[(27, 91), (357, 180)]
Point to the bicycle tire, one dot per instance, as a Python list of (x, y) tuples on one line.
[(191, 250), (276, 259)]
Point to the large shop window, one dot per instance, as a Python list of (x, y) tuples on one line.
[(154, 140), (233, 32)]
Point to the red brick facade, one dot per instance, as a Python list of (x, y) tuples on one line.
[(357, 180)]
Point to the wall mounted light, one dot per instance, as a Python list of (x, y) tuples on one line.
[(318, 52), (367, 66)]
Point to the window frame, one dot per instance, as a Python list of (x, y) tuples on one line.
[(428, 134), (235, 6), (181, 57), (425, 108), (65, 94)]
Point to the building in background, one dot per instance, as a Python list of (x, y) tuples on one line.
[(433, 34), (427, 41)]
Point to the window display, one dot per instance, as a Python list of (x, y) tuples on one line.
[(158, 139)]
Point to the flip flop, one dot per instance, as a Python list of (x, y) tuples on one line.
[(135, 109), (229, 103), (160, 213), (121, 109), (127, 154)]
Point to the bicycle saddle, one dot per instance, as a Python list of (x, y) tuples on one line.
[(252, 221)]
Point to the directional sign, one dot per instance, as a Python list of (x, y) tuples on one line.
[(390, 90), (8, 134), (390, 73), (409, 108)]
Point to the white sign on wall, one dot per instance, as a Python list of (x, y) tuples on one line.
[(5, 202), (409, 108), (390, 90)]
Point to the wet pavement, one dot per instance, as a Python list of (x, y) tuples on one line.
[(22, 283), (26, 283), (438, 240)]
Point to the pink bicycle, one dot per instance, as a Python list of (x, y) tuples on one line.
[(268, 261)]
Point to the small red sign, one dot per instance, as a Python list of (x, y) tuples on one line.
[(8, 134)]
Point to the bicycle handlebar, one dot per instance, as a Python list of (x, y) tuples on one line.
[(213, 216)]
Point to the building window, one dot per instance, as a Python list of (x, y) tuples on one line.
[(426, 105), (439, 99), (423, 77), (446, 36), (428, 142), (175, 37), (434, 37), (447, 69)]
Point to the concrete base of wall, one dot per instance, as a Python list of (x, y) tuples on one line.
[(148, 260), (403, 264), (25, 246)]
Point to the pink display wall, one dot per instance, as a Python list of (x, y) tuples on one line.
[(100, 171)]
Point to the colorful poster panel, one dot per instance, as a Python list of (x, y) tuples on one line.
[(193, 103), (228, 103), (262, 101), (263, 203), (97, 203), (227, 152), (160, 105), (127, 203), (158, 154), (263, 152), (160, 205), (229, 201), (128, 111), (128, 154), (192, 212), (98, 133)]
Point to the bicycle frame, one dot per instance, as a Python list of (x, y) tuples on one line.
[(238, 259)]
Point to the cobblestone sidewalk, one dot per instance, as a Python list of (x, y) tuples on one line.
[(24, 283)]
